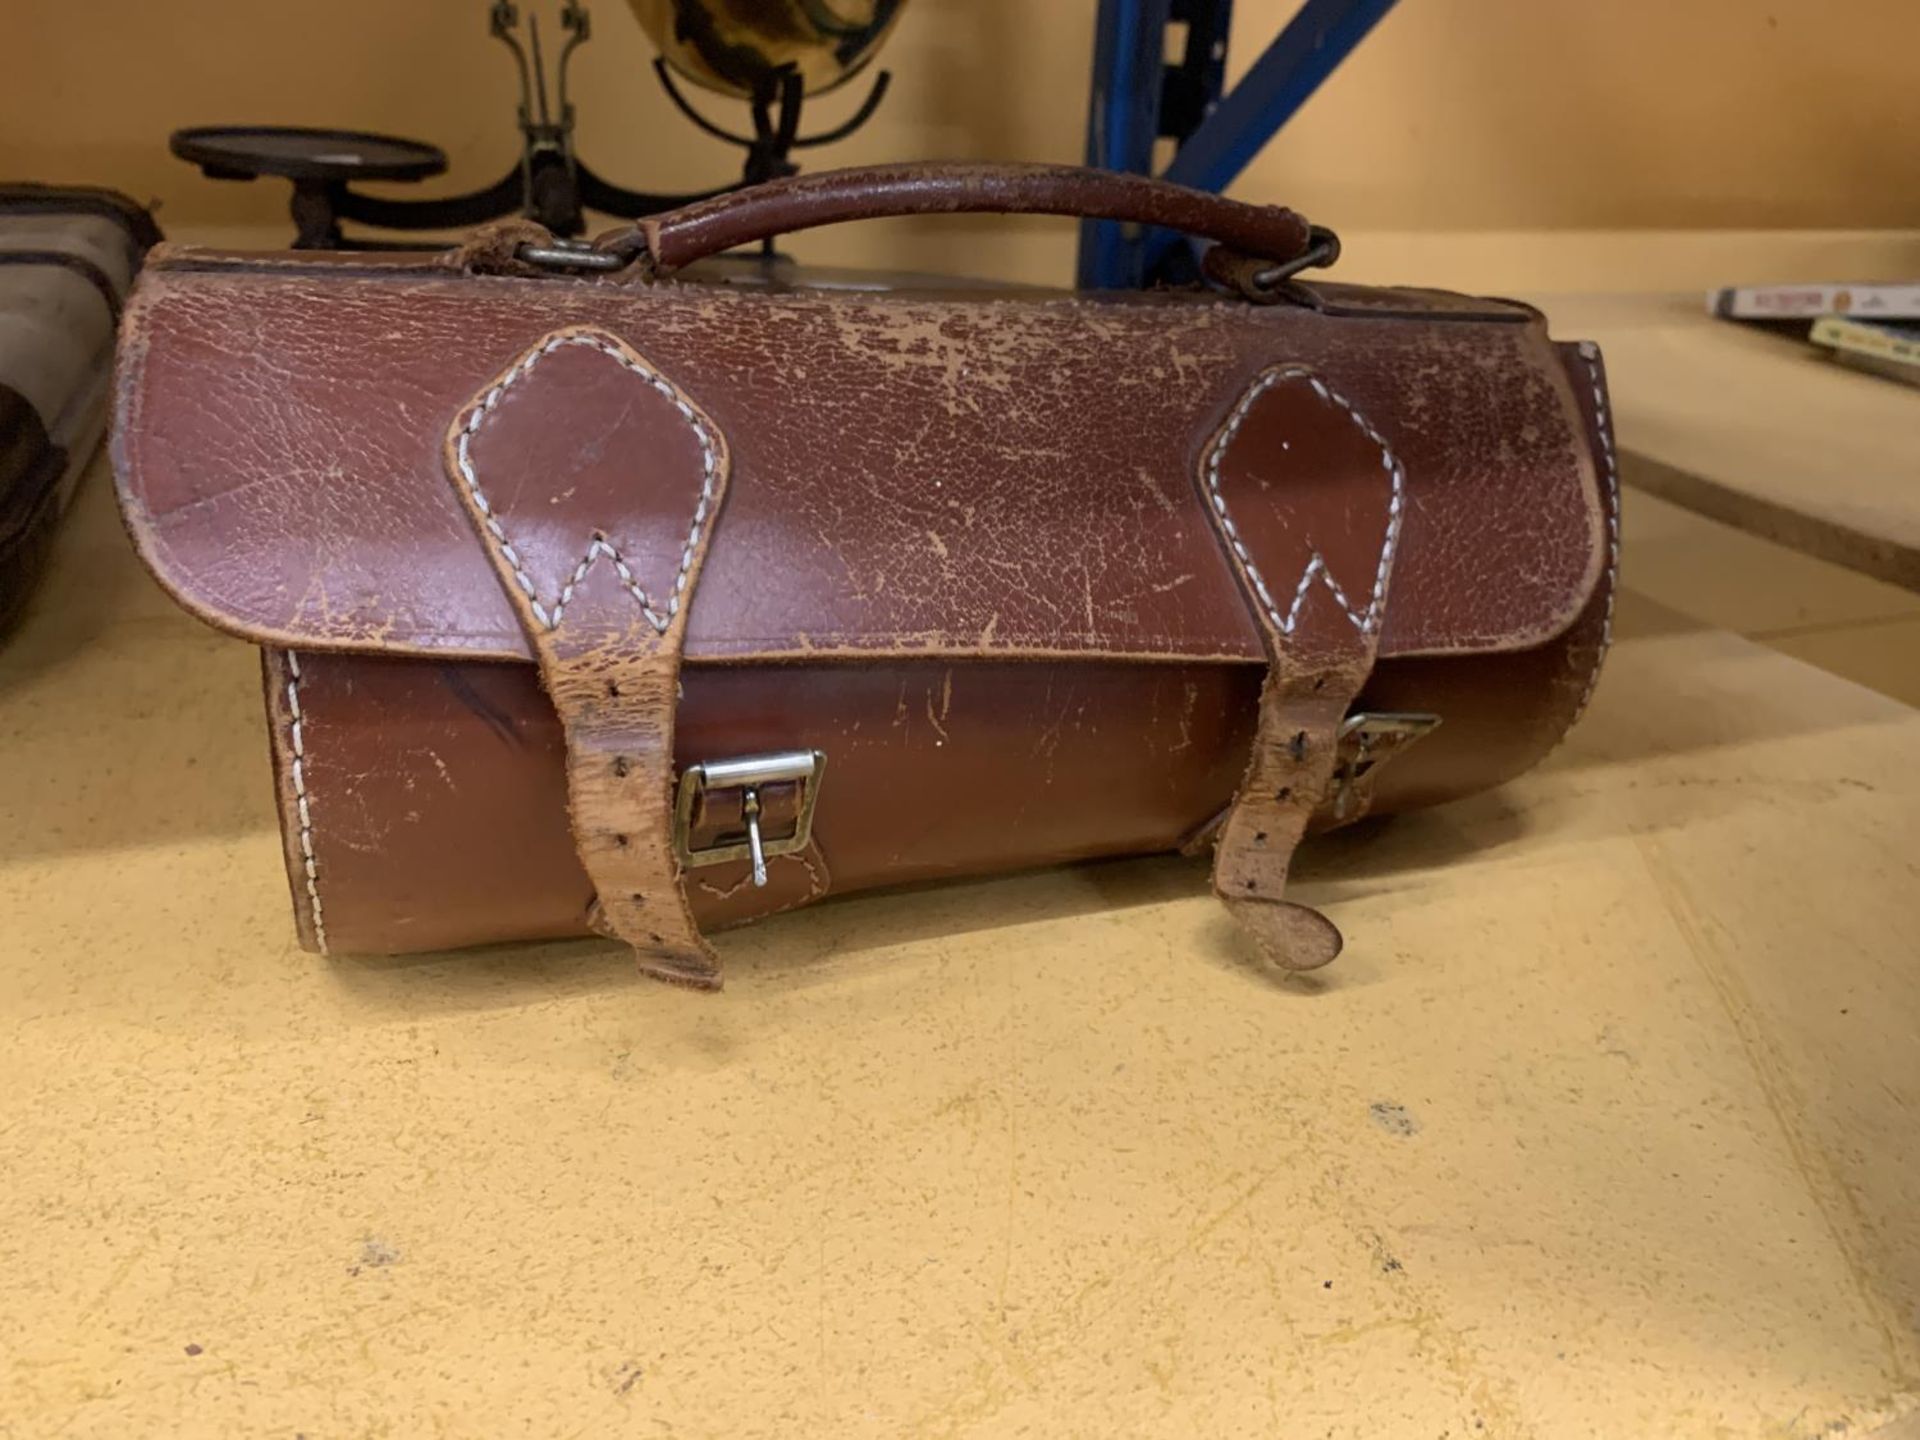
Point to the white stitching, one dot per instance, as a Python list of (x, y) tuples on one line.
[(815, 887), (1590, 353), (1368, 622), (599, 545), (296, 729)]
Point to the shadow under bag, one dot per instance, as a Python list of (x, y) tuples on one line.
[(600, 593)]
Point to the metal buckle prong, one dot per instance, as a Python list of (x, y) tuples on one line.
[(750, 808), (1323, 249), (747, 774)]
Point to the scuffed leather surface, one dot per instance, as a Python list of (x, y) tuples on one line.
[(440, 803), (977, 480), (438, 793), (956, 477), (439, 788)]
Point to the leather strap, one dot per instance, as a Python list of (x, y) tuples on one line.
[(1292, 446), (539, 458), (1271, 232)]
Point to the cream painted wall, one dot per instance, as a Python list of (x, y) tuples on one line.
[(1457, 115)]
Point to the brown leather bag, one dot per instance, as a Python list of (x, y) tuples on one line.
[(598, 594)]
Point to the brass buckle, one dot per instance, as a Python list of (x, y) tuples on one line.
[(747, 774)]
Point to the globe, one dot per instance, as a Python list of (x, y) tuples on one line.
[(732, 45)]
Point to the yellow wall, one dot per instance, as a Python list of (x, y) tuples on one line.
[(1456, 115)]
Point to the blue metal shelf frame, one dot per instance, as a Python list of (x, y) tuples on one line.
[(1139, 98)]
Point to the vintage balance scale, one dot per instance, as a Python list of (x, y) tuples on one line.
[(771, 53)]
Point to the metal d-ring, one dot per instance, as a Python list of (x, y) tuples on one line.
[(1323, 248), (571, 255)]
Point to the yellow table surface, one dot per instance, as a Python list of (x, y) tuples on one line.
[(1760, 430), (1604, 1125)]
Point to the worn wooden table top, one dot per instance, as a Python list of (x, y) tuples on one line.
[(1760, 430), (1604, 1125)]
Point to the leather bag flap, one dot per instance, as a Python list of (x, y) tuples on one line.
[(1004, 476)]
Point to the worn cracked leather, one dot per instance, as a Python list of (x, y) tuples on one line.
[(970, 550)]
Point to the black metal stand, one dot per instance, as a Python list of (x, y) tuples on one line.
[(774, 140), (550, 183)]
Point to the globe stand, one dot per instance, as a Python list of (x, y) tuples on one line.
[(774, 140), (550, 183)]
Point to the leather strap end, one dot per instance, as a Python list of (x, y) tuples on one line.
[(678, 972), (691, 968), (1288, 936)]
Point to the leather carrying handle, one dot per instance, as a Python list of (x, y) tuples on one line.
[(831, 197)]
